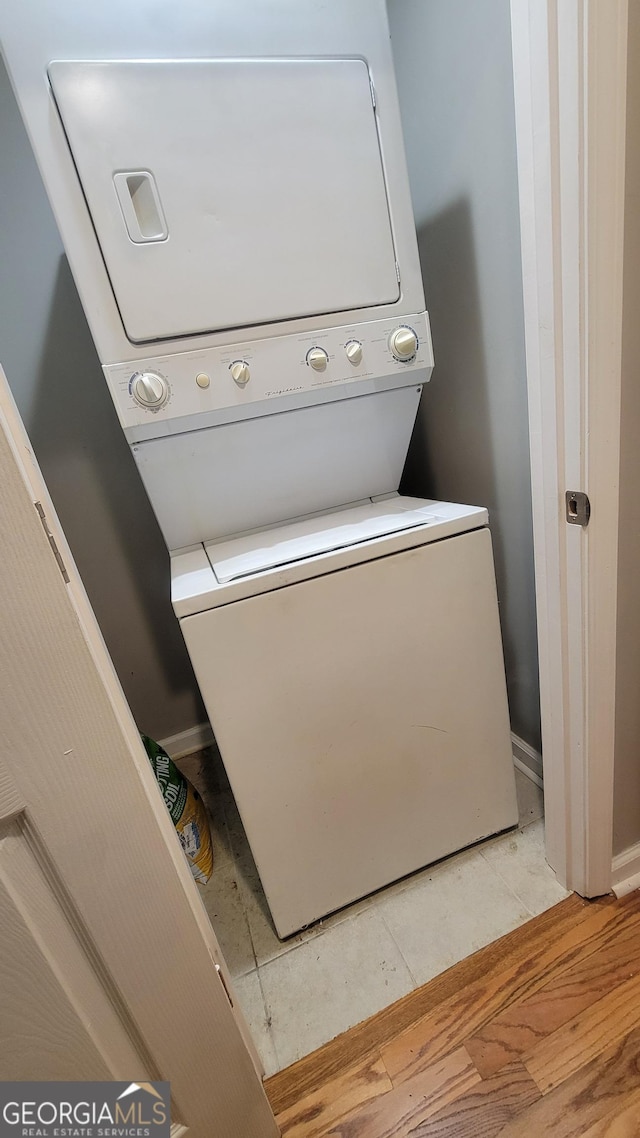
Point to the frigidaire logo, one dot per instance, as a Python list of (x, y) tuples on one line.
[(84, 1110)]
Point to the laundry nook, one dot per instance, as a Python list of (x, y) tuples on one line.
[(232, 194)]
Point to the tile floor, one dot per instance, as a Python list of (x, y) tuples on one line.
[(299, 993)]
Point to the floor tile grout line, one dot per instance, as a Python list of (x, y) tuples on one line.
[(534, 913), (508, 886), (240, 891), (286, 952), (266, 1024), (267, 1021), (266, 1015), (402, 956)]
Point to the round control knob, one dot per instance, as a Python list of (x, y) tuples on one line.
[(354, 352), (149, 389), (317, 358), (403, 344), (240, 371)]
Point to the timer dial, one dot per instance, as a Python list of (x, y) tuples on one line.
[(149, 389), (403, 344)]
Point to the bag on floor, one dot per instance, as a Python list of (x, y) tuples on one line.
[(187, 811)]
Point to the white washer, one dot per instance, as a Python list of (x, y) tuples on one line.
[(352, 666), (232, 194)]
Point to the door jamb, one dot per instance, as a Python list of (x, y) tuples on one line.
[(569, 62)]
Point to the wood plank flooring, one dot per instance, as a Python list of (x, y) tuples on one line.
[(536, 1034)]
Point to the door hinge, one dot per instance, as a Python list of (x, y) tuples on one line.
[(578, 508), (224, 984), (52, 542), (373, 92)]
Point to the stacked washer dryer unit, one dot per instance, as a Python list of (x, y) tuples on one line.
[(233, 197)]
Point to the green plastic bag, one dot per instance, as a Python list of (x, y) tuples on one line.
[(187, 811)]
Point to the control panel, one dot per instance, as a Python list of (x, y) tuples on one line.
[(164, 389)]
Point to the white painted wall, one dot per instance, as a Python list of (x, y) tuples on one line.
[(51, 363), (454, 72), (626, 818)]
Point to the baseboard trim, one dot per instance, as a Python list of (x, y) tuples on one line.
[(186, 742), (527, 772), (527, 759), (625, 871)]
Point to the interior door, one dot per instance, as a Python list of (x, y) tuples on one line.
[(109, 968), (231, 192)]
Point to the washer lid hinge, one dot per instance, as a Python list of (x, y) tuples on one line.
[(373, 92), (578, 508), (398, 272)]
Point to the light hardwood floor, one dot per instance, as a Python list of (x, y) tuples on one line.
[(537, 1034)]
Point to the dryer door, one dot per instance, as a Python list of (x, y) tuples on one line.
[(231, 192)]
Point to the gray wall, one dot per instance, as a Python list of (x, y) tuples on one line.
[(52, 367), (453, 66), (626, 817)]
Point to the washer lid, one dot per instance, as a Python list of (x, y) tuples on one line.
[(298, 541), (195, 587), (231, 192)]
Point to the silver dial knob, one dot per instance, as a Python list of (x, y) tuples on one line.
[(149, 389), (354, 352), (317, 358), (403, 344), (240, 371)]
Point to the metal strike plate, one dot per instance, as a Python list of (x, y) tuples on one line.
[(578, 508)]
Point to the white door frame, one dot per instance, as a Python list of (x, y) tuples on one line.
[(570, 60)]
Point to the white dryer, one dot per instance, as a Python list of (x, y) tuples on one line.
[(231, 189)]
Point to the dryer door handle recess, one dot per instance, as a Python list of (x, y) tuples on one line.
[(140, 204)]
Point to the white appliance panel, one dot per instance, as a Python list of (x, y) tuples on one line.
[(257, 472), (202, 390), (363, 722), (227, 193)]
